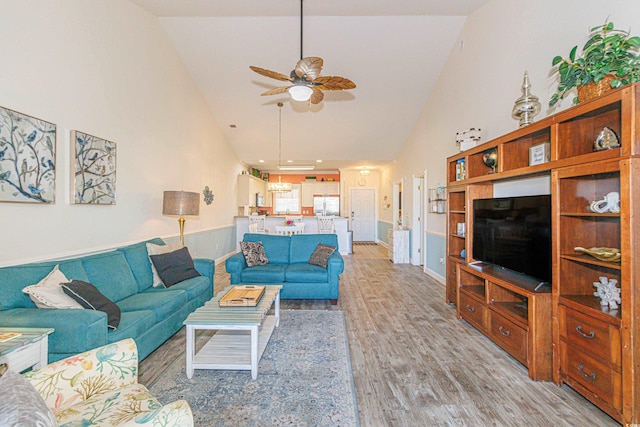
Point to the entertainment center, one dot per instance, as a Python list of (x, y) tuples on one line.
[(559, 330)]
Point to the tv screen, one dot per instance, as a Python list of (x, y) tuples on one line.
[(514, 233)]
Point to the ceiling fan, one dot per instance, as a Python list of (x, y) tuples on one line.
[(306, 82)]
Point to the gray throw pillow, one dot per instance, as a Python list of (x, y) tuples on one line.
[(254, 253), (21, 404), (320, 256)]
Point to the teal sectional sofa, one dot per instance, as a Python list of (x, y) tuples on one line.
[(148, 315), (288, 266)]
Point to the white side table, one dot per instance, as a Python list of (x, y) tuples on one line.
[(29, 350)]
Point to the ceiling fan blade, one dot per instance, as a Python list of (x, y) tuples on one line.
[(333, 83), (276, 91), (271, 74), (317, 96), (309, 68)]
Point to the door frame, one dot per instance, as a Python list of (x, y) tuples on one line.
[(418, 236), (375, 211)]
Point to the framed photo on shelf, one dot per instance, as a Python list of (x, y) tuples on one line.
[(264, 176), (539, 154)]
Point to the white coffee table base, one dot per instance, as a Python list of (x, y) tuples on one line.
[(235, 346)]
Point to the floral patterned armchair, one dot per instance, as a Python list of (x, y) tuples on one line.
[(100, 387)]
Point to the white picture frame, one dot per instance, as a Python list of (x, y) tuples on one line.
[(539, 154)]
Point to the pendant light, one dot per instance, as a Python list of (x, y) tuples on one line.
[(279, 187)]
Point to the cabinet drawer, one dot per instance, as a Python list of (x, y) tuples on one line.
[(472, 311), (604, 382), (592, 336), (509, 336)]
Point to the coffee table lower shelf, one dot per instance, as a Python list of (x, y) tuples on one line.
[(228, 349)]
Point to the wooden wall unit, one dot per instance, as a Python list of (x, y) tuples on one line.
[(595, 350)]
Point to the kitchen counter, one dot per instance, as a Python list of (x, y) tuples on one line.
[(310, 227)]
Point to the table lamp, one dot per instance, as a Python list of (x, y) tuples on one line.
[(181, 204)]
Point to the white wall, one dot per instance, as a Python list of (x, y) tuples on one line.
[(483, 76), (106, 67)]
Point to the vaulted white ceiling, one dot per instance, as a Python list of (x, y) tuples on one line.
[(393, 50)]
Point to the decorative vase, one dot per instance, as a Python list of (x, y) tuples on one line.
[(593, 90)]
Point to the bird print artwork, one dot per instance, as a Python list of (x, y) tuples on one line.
[(95, 170), (27, 158)]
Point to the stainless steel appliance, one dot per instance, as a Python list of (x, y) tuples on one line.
[(259, 200), (326, 205)]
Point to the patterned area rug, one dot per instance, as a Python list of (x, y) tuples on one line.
[(304, 379)]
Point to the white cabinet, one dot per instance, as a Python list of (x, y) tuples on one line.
[(248, 186), (326, 188), (307, 194), (398, 246)]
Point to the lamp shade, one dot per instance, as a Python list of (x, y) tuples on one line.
[(181, 203)]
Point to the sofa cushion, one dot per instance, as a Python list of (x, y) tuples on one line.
[(193, 287), (253, 253), (48, 292), (14, 279), (268, 273), (163, 304), (132, 324), (321, 254), (303, 245), (111, 274), (21, 404), (305, 272), (89, 297), (139, 262), (174, 267), (276, 247), (153, 249)]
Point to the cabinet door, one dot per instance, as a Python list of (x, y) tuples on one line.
[(307, 194), (318, 188), (243, 190), (332, 188)]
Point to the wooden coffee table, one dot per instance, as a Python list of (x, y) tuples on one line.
[(241, 337), (28, 350)]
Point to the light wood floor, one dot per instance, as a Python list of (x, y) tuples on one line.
[(414, 363)]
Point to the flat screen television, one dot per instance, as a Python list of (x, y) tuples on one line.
[(514, 233)]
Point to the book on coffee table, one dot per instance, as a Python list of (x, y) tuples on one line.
[(242, 296), (6, 336)]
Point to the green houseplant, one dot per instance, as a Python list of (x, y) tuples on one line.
[(609, 57)]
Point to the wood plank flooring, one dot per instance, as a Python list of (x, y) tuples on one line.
[(414, 363)]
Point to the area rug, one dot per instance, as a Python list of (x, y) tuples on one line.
[(304, 379)]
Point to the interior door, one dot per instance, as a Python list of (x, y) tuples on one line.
[(363, 214)]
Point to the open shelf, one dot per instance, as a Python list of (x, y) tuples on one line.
[(590, 305)]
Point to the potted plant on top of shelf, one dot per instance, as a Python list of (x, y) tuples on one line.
[(610, 59)]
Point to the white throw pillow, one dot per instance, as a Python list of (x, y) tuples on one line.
[(159, 250), (48, 292)]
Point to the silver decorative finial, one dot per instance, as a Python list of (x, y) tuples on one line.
[(527, 106)]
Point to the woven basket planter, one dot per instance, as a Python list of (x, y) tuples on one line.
[(593, 90)]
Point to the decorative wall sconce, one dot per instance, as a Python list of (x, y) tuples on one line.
[(385, 205)]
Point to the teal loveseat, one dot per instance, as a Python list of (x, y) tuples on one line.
[(149, 315), (289, 266)]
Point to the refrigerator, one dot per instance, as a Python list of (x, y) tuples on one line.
[(326, 205)]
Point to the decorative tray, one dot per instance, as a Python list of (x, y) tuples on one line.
[(242, 296)]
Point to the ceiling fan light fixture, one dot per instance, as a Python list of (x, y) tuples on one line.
[(300, 92)]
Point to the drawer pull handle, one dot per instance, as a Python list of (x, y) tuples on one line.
[(590, 335), (503, 332), (591, 376), (471, 309)]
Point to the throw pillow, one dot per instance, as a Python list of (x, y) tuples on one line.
[(254, 253), (48, 293), (321, 254), (159, 250), (88, 296), (21, 404), (175, 266)]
